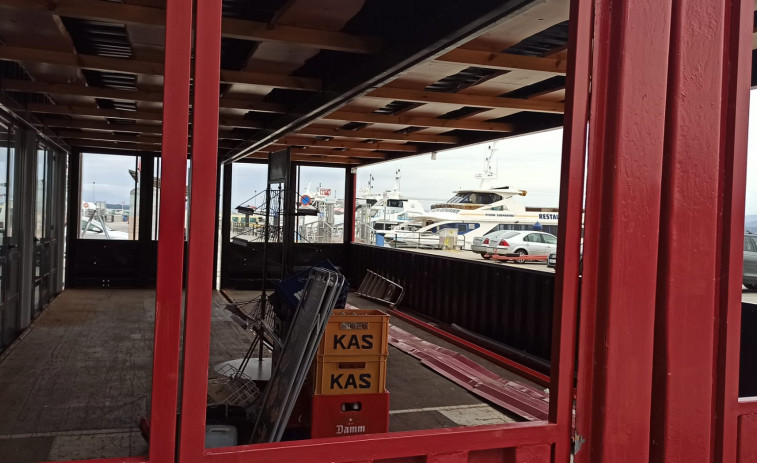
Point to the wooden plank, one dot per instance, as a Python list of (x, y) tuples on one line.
[(101, 126), (307, 141), (504, 61), (233, 28), (113, 145), (419, 121), (80, 90), (378, 135), (328, 152), (100, 63), (94, 112), (137, 115), (150, 139), (128, 95), (468, 100), (310, 158), (142, 130)]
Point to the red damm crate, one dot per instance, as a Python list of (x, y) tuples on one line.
[(349, 415)]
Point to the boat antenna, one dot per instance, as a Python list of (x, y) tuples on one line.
[(397, 178)]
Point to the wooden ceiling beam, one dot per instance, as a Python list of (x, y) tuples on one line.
[(149, 139), (101, 126), (127, 95), (465, 99), (232, 28), (505, 61), (327, 152), (100, 63), (308, 141), (142, 130), (155, 116), (121, 142), (309, 158), (86, 143), (363, 134), (451, 124), (80, 90)]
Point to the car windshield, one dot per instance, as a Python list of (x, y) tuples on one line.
[(509, 234)]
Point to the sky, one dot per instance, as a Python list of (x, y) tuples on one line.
[(530, 162)]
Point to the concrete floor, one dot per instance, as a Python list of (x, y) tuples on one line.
[(75, 385)]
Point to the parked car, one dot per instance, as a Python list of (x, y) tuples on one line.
[(480, 243), (523, 243), (750, 261), (95, 231)]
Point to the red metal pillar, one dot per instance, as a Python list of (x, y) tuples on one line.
[(202, 214), (739, 32), (571, 218), (171, 238), (686, 322), (621, 229)]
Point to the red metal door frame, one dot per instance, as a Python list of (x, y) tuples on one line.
[(202, 218), (165, 374), (518, 442)]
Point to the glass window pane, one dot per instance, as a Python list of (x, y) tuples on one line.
[(109, 193)]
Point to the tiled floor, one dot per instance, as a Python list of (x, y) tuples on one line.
[(76, 385)]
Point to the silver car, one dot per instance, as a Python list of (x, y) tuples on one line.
[(750, 261), (480, 243), (523, 243)]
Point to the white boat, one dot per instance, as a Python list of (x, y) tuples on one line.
[(385, 211), (476, 212)]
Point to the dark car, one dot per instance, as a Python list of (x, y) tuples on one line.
[(750, 261)]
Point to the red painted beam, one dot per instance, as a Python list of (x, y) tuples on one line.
[(685, 327), (202, 216), (165, 372), (392, 446), (629, 83), (565, 318), (739, 32)]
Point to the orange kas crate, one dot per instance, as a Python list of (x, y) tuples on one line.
[(349, 415), (355, 332), (338, 375)]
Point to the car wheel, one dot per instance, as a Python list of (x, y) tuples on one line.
[(521, 252), (485, 255), (752, 286)]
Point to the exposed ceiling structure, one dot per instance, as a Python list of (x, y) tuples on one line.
[(339, 81)]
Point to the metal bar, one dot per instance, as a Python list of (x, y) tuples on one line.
[(504, 362), (165, 367), (226, 224), (565, 318), (735, 129), (201, 230), (369, 448), (350, 200), (624, 179)]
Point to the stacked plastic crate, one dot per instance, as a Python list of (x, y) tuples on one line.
[(349, 376)]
